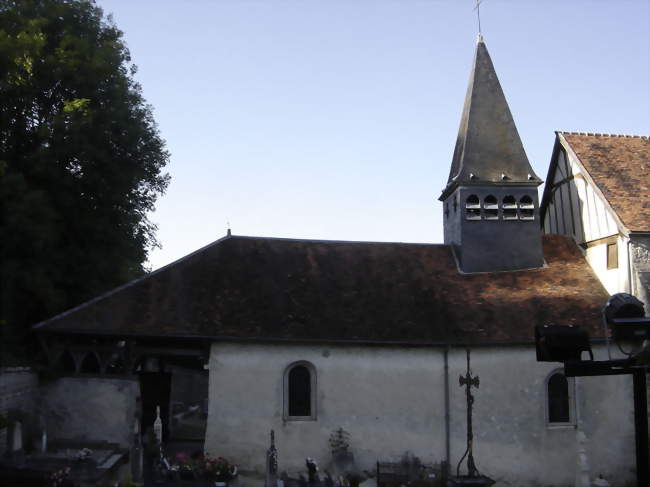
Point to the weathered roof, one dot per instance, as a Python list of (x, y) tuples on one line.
[(488, 145), (620, 166), (283, 289)]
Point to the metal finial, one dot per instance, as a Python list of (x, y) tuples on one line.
[(478, 16), (228, 233)]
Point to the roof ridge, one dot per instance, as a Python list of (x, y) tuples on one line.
[(598, 134), (337, 241)]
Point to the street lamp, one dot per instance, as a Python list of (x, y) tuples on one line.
[(624, 315)]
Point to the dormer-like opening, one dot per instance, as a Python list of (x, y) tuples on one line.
[(509, 206), (472, 208), (491, 208), (526, 208)]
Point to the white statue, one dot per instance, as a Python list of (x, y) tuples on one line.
[(157, 426), (17, 443)]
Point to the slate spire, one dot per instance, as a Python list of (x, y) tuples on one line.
[(490, 203), (488, 148)]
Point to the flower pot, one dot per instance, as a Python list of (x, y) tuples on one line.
[(185, 474)]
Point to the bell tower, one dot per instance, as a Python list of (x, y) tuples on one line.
[(490, 203)]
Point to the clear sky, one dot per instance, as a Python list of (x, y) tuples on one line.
[(336, 119)]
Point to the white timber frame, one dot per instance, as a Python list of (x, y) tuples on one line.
[(574, 206)]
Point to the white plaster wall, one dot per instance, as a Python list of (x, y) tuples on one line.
[(90, 409), (513, 443), (389, 400), (392, 400), (613, 280)]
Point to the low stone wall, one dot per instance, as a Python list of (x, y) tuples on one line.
[(18, 392), (91, 409)]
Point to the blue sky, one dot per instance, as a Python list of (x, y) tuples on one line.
[(337, 119)]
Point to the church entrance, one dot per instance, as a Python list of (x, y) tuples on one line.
[(177, 384)]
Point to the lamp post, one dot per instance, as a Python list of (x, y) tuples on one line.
[(625, 315)]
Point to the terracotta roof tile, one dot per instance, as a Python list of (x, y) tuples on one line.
[(264, 288), (620, 167)]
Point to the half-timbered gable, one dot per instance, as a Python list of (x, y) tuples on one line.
[(598, 193)]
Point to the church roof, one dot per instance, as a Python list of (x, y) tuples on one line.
[(488, 148), (253, 288), (619, 165)]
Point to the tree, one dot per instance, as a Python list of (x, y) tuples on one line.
[(81, 159)]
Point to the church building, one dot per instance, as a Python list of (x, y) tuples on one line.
[(304, 337)]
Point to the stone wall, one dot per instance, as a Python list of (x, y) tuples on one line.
[(91, 409), (641, 263), (18, 392)]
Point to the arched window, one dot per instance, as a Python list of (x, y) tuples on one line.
[(300, 392), (526, 208), (559, 396), (509, 208), (472, 208), (67, 363), (90, 364), (491, 208), (115, 364)]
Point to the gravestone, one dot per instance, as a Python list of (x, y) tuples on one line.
[(17, 437), (136, 453), (43, 427), (312, 471)]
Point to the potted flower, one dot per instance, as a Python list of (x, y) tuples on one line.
[(185, 466), (218, 470), (60, 478)]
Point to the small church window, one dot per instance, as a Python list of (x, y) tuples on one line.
[(559, 397), (526, 208), (612, 256), (491, 208), (473, 208), (509, 208), (300, 392)]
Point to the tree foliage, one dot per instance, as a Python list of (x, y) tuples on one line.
[(81, 159)]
